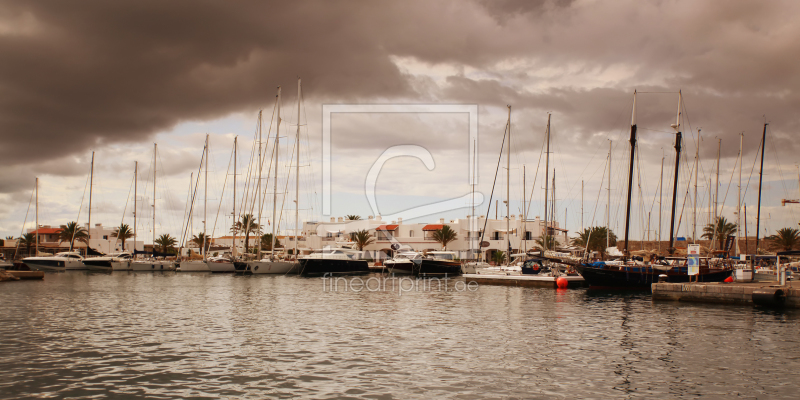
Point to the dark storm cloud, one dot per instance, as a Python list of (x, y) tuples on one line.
[(76, 75)]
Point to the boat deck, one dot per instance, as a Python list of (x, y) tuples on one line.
[(523, 280)]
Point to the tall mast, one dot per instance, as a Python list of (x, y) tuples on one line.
[(760, 177), (608, 204), (135, 190), (696, 166), (190, 199), (235, 218), (630, 175), (36, 254), (581, 206), (739, 197), (546, 182), (155, 150), (678, 138), (660, 198), (297, 177), (205, 204), (258, 185), (91, 182), (524, 233), (716, 198), (473, 221), (275, 183), (554, 216), (508, 190)]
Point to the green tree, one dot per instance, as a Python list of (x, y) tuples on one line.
[(785, 239), (202, 241), (246, 225), (123, 233), (166, 241), (723, 229), (27, 240), (9, 237), (445, 236), (499, 257), (362, 239), (352, 217), (546, 242), (596, 236), (266, 242), (72, 232)]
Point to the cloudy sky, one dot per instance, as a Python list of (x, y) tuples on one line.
[(117, 77)]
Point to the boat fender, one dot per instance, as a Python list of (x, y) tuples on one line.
[(255, 268), (728, 279), (770, 297)]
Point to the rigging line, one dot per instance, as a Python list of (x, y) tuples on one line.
[(283, 198), (755, 159), (535, 176), (77, 228), (722, 208), (184, 234), (594, 213), (224, 184), (497, 170), (25, 221), (186, 207), (780, 173), (261, 161), (124, 211)]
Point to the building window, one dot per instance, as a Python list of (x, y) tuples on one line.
[(105, 237)]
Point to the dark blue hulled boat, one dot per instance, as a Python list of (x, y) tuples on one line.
[(333, 262), (599, 275), (437, 264)]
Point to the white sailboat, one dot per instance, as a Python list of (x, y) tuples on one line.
[(224, 263), (153, 264)]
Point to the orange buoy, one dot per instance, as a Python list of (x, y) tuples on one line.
[(729, 279), (561, 282)]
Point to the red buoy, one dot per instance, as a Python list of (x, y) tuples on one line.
[(561, 282), (729, 279)]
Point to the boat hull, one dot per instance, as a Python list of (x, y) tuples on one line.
[(642, 278), (152, 266), (221, 266), (98, 265), (437, 268), (121, 265), (321, 267), (45, 265), (272, 267), (399, 268), (193, 266)]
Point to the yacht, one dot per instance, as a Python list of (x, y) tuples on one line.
[(220, 264), (113, 262), (403, 262), (152, 265), (193, 266), (438, 263), (59, 262), (335, 261)]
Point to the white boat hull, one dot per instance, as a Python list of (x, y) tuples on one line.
[(272, 267), (152, 266), (120, 265), (220, 266), (193, 266)]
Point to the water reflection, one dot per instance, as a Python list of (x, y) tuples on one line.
[(173, 335)]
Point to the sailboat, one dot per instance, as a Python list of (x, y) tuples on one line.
[(273, 265), (224, 263), (641, 276), (153, 264), (198, 265)]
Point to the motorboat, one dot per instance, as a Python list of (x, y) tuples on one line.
[(152, 265), (333, 261), (438, 263), (403, 262), (112, 262), (65, 260), (220, 264)]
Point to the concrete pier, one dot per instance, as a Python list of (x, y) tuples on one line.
[(523, 280), (726, 293)]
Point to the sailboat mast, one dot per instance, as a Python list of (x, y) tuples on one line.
[(608, 204), (630, 175), (135, 210), (275, 183), (660, 201), (678, 138), (91, 183), (297, 176), (524, 233), (696, 166), (36, 254), (546, 182), (155, 150), (739, 197), (760, 180), (235, 219), (258, 184), (508, 190), (473, 221), (716, 198), (205, 204)]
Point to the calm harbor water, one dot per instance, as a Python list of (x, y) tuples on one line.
[(193, 335)]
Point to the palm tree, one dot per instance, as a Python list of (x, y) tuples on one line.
[(498, 257), (352, 217), (123, 233), (597, 239), (166, 242), (266, 242), (362, 239), (723, 229), (71, 232), (445, 235), (27, 240), (546, 242), (9, 237), (201, 240), (786, 239), (247, 225)]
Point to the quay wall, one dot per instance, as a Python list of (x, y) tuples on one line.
[(725, 293)]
